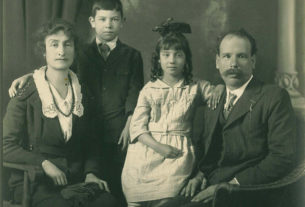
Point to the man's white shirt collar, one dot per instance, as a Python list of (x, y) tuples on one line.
[(239, 91), (111, 44)]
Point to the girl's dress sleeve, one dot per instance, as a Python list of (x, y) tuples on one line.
[(15, 132), (141, 116), (205, 88)]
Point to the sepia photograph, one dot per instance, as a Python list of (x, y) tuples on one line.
[(152, 103)]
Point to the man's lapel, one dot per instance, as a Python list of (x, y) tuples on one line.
[(245, 102), (211, 120)]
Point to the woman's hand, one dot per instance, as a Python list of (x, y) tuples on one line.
[(58, 176), (91, 178), (18, 83), (215, 96), (168, 151)]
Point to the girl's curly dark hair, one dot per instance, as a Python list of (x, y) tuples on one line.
[(176, 41)]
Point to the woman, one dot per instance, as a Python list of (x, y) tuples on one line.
[(45, 126)]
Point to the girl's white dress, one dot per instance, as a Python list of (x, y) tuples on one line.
[(167, 113)]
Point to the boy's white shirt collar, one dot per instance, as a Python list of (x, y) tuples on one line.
[(239, 91), (111, 44)]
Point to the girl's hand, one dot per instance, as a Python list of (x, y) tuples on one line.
[(215, 96), (168, 151), (58, 176), (18, 83)]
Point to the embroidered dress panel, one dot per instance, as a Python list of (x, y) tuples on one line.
[(167, 114), (65, 106)]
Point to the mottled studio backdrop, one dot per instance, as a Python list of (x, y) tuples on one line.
[(207, 18)]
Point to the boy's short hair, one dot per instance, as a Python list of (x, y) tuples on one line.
[(106, 5), (50, 28), (239, 33)]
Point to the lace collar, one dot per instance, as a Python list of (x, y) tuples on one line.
[(48, 108)]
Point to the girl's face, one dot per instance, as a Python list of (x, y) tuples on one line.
[(59, 51), (172, 62)]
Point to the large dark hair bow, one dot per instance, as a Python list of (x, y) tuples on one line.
[(170, 26)]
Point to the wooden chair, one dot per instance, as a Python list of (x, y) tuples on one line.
[(30, 172), (291, 188)]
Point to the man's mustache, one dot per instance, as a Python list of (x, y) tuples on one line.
[(236, 72)]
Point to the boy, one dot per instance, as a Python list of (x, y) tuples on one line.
[(112, 73)]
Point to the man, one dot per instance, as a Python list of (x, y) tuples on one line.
[(250, 138)]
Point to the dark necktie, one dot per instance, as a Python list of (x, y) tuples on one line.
[(229, 107), (104, 50)]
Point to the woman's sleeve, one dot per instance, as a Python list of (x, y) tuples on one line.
[(15, 133), (141, 115), (205, 88)]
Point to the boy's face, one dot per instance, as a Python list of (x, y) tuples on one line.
[(107, 24)]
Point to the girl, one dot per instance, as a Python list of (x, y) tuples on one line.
[(161, 156), (44, 126)]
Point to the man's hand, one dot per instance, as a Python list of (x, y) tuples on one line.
[(205, 195), (58, 176), (18, 83), (193, 185), (124, 138), (91, 178), (215, 96), (168, 151)]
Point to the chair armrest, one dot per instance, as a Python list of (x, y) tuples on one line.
[(297, 173), (32, 170), (226, 193)]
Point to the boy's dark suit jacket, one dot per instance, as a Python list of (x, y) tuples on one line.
[(30, 138), (113, 86), (259, 141)]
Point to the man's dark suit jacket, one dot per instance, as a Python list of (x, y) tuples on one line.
[(113, 86), (258, 138)]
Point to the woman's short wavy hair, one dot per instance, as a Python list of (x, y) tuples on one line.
[(176, 41), (50, 28)]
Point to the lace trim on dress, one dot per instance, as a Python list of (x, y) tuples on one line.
[(48, 107)]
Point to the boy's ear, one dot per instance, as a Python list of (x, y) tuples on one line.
[(253, 61), (217, 61), (92, 21), (123, 22)]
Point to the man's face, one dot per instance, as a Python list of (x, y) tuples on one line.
[(107, 24), (59, 51), (234, 62)]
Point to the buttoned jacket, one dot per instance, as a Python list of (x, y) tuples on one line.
[(258, 138)]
